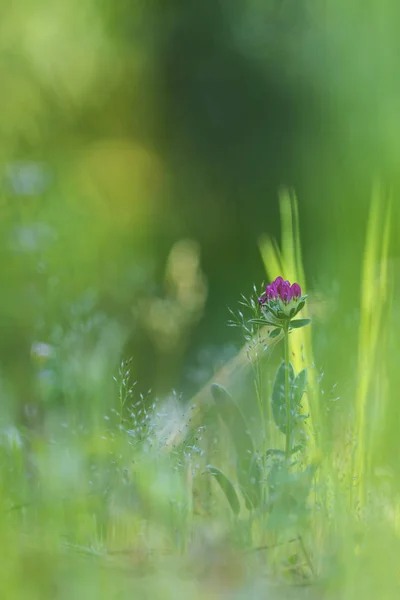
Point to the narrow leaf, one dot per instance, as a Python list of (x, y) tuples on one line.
[(248, 469), (227, 487), (262, 322), (275, 332), (234, 420), (298, 323), (300, 306)]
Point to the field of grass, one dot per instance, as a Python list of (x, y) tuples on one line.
[(151, 498)]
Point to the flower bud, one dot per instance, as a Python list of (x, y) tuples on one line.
[(281, 300)]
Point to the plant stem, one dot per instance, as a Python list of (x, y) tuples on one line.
[(287, 396)]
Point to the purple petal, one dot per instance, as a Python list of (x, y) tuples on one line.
[(277, 281), (271, 291), (295, 290), (284, 291)]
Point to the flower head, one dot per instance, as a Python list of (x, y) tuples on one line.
[(281, 300)]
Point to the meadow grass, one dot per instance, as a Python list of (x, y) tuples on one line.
[(136, 500)]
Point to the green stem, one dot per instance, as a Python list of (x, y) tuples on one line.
[(287, 396)]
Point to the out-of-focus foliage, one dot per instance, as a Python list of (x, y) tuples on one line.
[(143, 146), (128, 127)]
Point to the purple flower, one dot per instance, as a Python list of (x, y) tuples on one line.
[(281, 299)]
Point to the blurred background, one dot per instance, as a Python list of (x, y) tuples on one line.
[(142, 149)]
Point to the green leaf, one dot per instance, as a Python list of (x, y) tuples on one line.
[(298, 387), (263, 322), (227, 487), (278, 396), (275, 332), (272, 310), (247, 468), (298, 323), (300, 306), (234, 420)]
